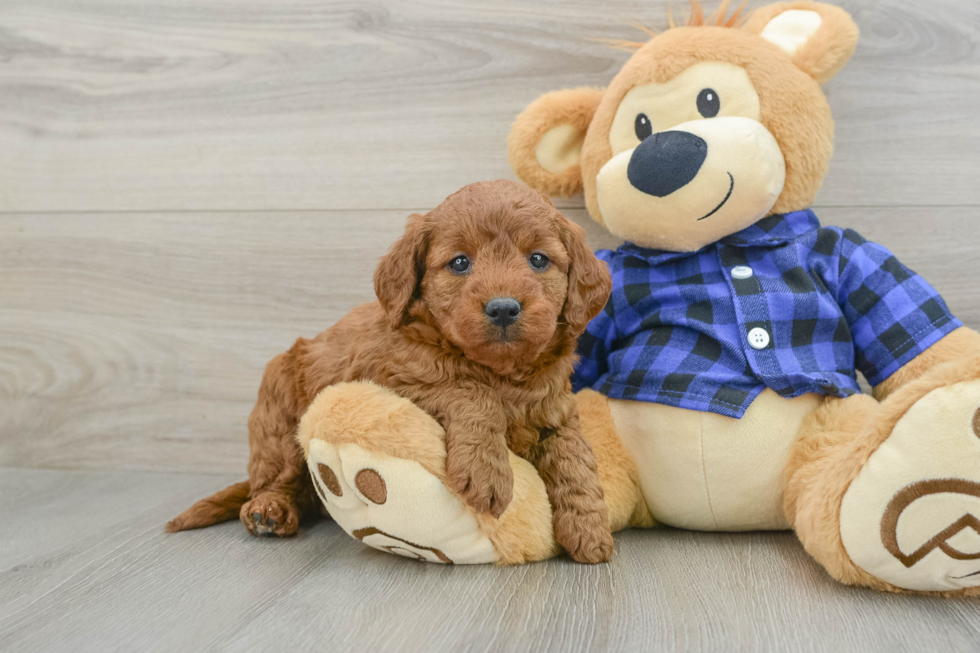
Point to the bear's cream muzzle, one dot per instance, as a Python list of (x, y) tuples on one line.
[(692, 185)]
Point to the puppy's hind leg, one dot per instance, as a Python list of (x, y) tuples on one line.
[(281, 489)]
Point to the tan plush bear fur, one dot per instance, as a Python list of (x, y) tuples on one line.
[(776, 60)]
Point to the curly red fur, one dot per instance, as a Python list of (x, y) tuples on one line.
[(428, 339)]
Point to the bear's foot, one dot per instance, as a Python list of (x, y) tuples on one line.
[(395, 505), (378, 464), (911, 517)]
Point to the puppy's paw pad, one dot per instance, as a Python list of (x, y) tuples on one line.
[(270, 514)]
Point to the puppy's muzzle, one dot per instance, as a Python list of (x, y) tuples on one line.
[(666, 162), (502, 311)]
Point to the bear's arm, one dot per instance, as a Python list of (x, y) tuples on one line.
[(960, 344), (894, 314)]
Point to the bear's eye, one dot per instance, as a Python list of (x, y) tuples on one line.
[(642, 126), (538, 261), (708, 103), (460, 264)]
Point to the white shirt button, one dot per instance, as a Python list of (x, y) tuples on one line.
[(758, 338), (742, 272)]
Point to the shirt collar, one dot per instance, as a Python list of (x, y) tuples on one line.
[(777, 229)]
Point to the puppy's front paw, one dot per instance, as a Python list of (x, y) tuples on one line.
[(484, 487), (586, 537)]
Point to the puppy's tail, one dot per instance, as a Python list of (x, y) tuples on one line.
[(221, 506)]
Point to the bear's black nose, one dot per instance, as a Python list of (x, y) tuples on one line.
[(666, 162), (502, 311)]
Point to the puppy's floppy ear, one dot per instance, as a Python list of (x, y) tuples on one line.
[(398, 279), (589, 282), (545, 142), (818, 37)]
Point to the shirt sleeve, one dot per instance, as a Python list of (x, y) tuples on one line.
[(893, 314), (595, 345)]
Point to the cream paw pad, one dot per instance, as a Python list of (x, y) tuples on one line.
[(912, 516), (377, 470), (395, 505)]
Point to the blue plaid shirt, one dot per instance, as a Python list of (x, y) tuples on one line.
[(675, 330)]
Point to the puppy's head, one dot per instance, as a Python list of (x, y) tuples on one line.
[(498, 270)]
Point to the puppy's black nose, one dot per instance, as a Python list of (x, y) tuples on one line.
[(502, 311), (666, 162)]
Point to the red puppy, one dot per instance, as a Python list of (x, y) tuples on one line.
[(479, 307)]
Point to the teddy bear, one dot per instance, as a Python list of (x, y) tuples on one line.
[(718, 388)]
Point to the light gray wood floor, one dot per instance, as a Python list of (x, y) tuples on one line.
[(185, 187)]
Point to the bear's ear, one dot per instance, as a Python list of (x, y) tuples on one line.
[(818, 37), (545, 142)]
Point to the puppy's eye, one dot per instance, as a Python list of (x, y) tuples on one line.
[(643, 126), (460, 265), (708, 103), (538, 261)]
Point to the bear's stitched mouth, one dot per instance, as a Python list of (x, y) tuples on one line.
[(731, 187)]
